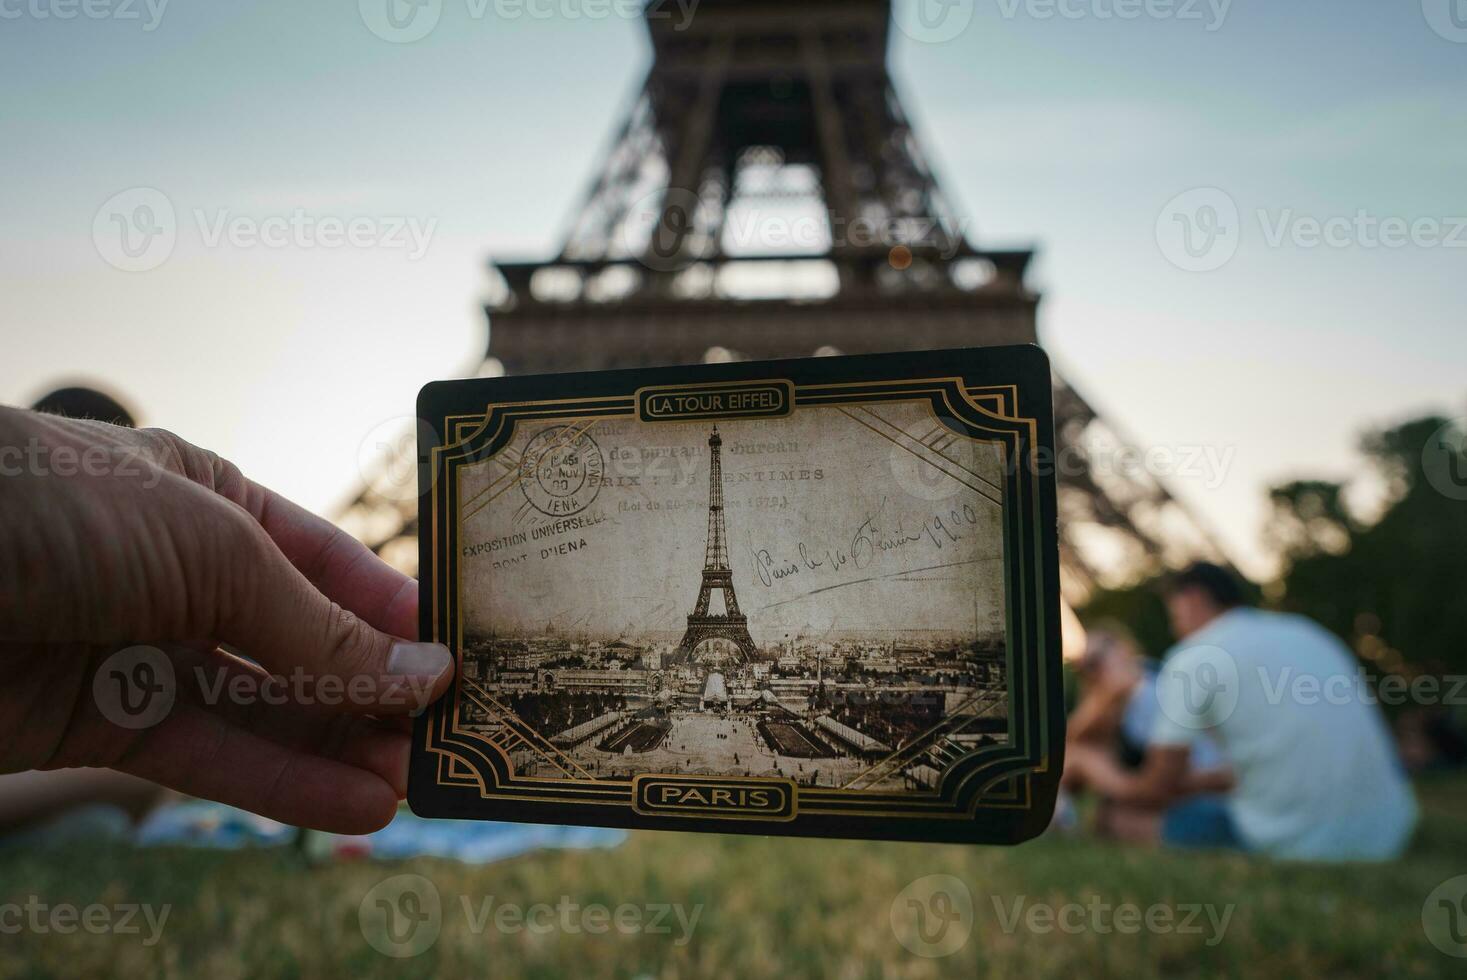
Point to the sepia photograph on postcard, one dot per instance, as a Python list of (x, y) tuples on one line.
[(817, 597)]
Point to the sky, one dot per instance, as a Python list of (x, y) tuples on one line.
[(336, 197)]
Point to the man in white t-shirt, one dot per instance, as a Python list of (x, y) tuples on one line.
[(1317, 777)]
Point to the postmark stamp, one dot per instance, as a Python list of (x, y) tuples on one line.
[(561, 470)]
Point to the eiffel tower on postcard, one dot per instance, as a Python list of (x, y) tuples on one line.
[(766, 196), (730, 625)]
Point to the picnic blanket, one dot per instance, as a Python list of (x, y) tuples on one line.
[(198, 823)]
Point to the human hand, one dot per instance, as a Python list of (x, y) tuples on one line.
[(111, 538)]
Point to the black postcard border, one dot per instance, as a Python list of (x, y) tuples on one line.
[(1000, 794)]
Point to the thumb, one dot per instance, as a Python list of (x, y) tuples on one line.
[(325, 650)]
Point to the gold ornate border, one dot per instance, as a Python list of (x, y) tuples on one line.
[(1006, 789)]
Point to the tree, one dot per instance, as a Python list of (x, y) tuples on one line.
[(1395, 587), (1139, 609), (1309, 517)]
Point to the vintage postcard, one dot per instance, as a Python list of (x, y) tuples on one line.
[(814, 597)]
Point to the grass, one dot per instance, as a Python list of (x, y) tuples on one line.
[(770, 908)]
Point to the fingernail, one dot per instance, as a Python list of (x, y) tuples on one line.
[(418, 659)]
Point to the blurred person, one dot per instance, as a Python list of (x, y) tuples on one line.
[(112, 537), (82, 802), (1430, 739), (82, 402), (1108, 733), (1317, 777), (1112, 670)]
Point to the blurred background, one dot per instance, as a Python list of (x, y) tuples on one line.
[(1239, 230)]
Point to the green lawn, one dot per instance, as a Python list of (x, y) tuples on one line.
[(770, 908)]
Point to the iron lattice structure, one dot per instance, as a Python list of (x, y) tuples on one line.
[(715, 556), (767, 197), (703, 624)]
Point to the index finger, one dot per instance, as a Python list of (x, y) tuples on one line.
[(341, 567)]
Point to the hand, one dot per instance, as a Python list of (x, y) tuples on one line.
[(113, 537)]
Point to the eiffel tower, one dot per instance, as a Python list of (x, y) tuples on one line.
[(763, 116), (732, 625)]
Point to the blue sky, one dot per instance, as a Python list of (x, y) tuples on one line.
[(1071, 133)]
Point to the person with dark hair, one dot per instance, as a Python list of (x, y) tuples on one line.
[(1316, 773), (80, 402), (1199, 593), (1109, 731)]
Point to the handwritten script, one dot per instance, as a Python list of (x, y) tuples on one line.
[(866, 545)]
